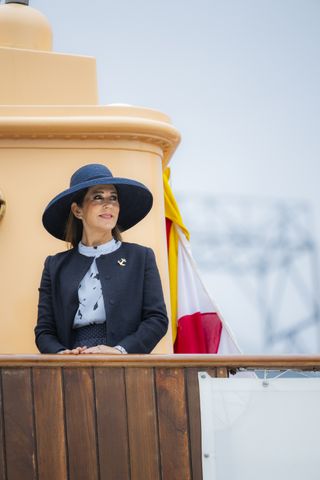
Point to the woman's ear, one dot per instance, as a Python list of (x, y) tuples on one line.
[(76, 210)]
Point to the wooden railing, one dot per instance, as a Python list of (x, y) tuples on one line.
[(110, 417)]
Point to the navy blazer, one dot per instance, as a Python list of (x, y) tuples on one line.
[(135, 309)]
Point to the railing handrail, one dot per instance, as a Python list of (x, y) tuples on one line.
[(271, 362)]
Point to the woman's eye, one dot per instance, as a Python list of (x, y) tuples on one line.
[(100, 198)]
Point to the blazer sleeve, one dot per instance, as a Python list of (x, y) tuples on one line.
[(154, 319), (45, 330)]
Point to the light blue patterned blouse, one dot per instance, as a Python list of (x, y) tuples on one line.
[(91, 305)]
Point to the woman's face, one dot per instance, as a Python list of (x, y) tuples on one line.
[(99, 211)]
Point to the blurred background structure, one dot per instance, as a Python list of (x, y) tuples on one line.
[(240, 80), (267, 251)]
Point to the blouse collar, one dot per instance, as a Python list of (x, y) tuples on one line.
[(103, 249)]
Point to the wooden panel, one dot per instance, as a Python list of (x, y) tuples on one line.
[(210, 371), (173, 424), (112, 423), (80, 423), (19, 424), (2, 454), (142, 424), (193, 400), (49, 419)]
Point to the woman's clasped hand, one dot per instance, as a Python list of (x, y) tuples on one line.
[(97, 349)]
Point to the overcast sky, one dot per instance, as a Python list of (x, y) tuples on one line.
[(239, 79)]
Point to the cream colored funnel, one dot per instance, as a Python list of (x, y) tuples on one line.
[(50, 125)]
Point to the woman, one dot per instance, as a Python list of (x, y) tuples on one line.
[(103, 295)]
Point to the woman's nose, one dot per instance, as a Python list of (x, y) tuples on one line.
[(107, 202)]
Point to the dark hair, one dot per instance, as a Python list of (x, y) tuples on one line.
[(74, 227)]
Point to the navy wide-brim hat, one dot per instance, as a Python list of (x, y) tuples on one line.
[(134, 198)]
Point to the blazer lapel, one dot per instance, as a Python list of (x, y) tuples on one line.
[(71, 275)]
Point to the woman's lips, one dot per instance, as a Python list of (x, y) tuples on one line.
[(107, 216)]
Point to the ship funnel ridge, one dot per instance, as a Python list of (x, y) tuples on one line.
[(21, 2)]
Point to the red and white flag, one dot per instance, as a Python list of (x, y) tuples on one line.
[(197, 325), (200, 327)]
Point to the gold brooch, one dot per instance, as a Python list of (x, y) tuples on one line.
[(122, 262)]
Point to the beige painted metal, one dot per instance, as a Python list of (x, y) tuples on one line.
[(31, 74), (46, 78), (44, 136), (25, 28)]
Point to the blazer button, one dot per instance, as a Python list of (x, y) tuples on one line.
[(111, 302)]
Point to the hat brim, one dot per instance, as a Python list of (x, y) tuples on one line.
[(134, 198)]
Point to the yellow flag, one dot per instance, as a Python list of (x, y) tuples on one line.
[(172, 213)]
